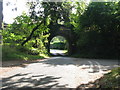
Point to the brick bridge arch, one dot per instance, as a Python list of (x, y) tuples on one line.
[(66, 32)]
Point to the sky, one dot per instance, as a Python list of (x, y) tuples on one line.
[(9, 11)]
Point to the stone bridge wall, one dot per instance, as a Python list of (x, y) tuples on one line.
[(66, 33)]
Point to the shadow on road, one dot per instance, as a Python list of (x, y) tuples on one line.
[(20, 81), (19, 63), (92, 65), (79, 61), (56, 65)]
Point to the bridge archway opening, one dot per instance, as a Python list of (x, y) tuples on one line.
[(59, 45)]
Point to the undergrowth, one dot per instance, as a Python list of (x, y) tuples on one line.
[(111, 80), (15, 53)]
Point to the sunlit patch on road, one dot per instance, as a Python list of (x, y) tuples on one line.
[(58, 52)]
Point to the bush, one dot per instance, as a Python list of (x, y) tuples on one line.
[(18, 53), (34, 52), (111, 80), (9, 53), (23, 49), (58, 45)]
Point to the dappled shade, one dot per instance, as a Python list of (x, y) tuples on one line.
[(57, 72)]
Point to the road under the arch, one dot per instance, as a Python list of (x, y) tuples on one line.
[(57, 52)]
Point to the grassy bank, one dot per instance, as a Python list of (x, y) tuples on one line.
[(17, 53)]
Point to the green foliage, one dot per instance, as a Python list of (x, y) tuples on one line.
[(18, 32), (97, 30), (58, 45), (57, 12), (58, 42), (96, 27), (29, 33), (78, 9), (58, 39), (111, 80), (13, 53)]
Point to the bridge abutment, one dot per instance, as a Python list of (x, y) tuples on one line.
[(64, 32)]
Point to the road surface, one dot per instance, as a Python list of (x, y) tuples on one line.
[(56, 52), (57, 72)]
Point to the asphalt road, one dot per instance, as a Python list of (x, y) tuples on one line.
[(57, 72)]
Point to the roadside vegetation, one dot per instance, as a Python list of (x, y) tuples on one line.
[(95, 27), (59, 42), (98, 30), (16, 53), (17, 44), (111, 80)]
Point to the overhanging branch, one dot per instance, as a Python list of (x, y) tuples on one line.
[(31, 34)]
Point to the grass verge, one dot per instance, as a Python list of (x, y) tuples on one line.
[(9, 53)]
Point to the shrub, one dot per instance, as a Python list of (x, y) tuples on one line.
[(111, 80)]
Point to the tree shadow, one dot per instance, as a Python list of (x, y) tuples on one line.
[(94, 65), (20, 63), (59, 61), (29, 81), (84, 63), (97, 85), (90, 85)]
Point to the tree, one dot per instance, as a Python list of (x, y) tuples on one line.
[(27, 30), (48, 13), (98, 29)]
